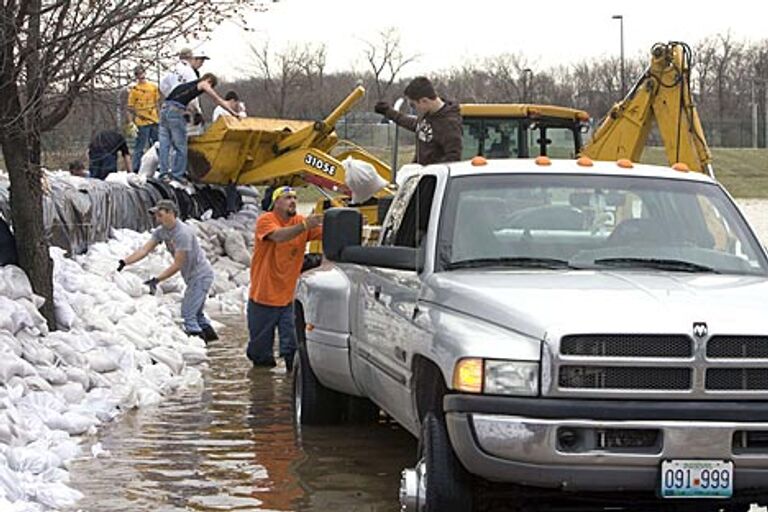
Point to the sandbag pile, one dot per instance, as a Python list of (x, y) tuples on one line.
[(117, 347), (78, 212)]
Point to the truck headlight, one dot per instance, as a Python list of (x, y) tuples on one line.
[(511, 378), (496, 377)]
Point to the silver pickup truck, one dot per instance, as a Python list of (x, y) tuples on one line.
[(549, 330)]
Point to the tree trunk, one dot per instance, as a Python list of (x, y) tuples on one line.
[(27, 217)]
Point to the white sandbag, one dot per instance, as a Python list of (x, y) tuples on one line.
[(242, 278), (71, 392), (57, 495), (78, 375), (150, 161), (98, 380), (8, 341), (12, 365), (31, 459), (362, 179), (130, 284), (10, 485), (67, 354), (194, 355), (168, 357), (136, 339), (72, 422), (14, 283), (39, 402), (37, 383), (6, 438), (37, 354), (55, 376), (66, 318), (235, 248), (221, 282), (66, 450), (100, 361), (14, 316), (146, 397), (118, 177)]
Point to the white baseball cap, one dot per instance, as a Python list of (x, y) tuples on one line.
[(200, 54)]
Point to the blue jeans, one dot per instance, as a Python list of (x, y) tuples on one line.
[(262, 321), (145, 137), (173, 134), (193, 303)]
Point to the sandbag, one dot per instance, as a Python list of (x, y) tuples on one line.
[(362, 179)]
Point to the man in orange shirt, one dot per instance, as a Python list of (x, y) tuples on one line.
[(281, 238)]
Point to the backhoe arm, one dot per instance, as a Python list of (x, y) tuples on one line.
[(663, 93)]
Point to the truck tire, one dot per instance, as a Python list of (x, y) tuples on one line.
[(447, 482), (313, 403)]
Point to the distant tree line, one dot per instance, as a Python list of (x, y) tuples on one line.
[(729, 84)]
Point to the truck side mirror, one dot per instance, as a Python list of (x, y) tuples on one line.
[(342, 227)]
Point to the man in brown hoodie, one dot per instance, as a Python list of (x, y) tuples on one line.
[(437, 125)]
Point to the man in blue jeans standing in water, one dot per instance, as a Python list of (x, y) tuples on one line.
[(188, 256), (281, 238)]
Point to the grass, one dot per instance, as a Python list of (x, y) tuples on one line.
[(743, 172)]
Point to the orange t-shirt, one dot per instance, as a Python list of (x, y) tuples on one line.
[(275, 266)]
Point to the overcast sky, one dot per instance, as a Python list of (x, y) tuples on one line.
[(446, 34)]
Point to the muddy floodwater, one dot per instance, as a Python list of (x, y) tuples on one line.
[(235, 449)]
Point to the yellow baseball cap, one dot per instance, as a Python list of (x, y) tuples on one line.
[(280, 192)]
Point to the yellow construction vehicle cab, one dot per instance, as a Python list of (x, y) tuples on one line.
[(513, 130), (663, 94)]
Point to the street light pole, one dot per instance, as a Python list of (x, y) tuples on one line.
[(621, 37), (527, 78)]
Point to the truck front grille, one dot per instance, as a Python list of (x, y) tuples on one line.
[(737, 347), (663, 366), (627, 345), (737, 379), (612, 377)]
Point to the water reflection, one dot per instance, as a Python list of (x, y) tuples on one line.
[(234, 448)]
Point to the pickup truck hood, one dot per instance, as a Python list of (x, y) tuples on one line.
[(552, 303)]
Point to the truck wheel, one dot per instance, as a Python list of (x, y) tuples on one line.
[(443, 483), (313, 403)]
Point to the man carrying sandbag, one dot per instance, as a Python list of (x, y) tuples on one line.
[(189, 257)]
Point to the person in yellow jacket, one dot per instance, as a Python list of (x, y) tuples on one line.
[(143, 100)]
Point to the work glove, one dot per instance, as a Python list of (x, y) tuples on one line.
[(120, 265), (197, 118), (381, 107), (152, 283)]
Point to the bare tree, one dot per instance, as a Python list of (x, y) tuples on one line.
[(509, 80), (281, 72), (386, 60), (50, 52)]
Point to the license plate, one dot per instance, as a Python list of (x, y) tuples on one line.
[(696, 479)]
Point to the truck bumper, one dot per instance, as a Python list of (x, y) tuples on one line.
[(594, 445)]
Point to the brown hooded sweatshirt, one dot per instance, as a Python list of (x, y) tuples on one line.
[(438, 134)]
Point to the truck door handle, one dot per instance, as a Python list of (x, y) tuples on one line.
[(377, 292), (400, 354)]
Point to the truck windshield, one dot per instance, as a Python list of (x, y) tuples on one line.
[(594, 221)]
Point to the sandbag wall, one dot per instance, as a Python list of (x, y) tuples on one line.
[(79, 211)]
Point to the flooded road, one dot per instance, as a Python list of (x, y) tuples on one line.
[(236, 450)]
